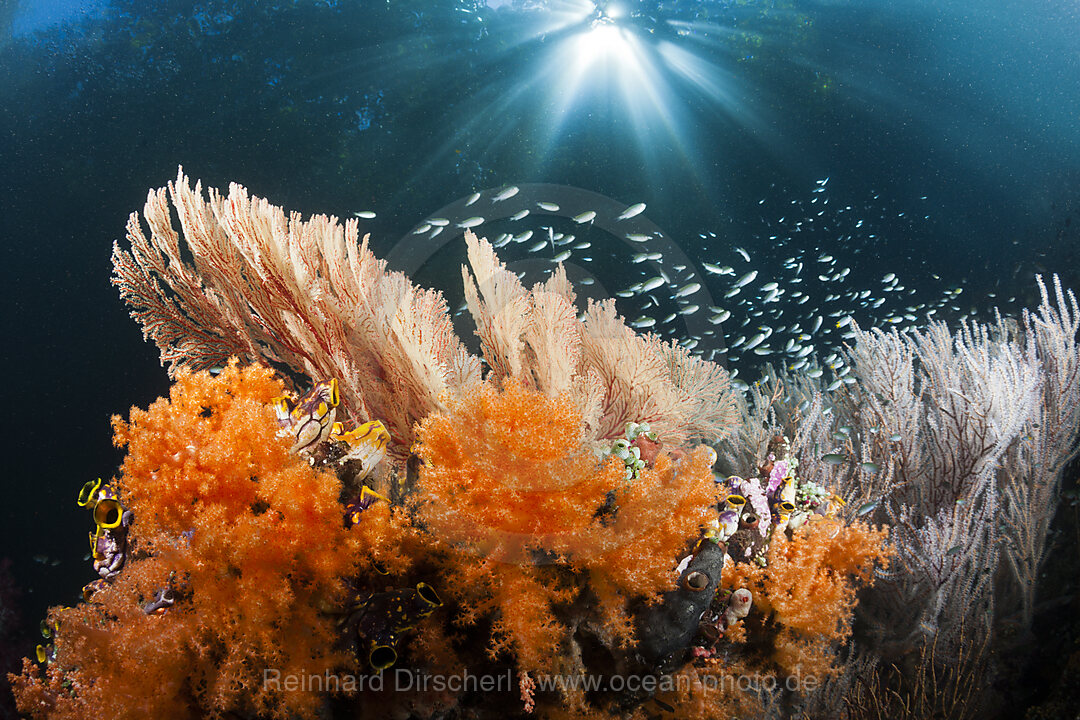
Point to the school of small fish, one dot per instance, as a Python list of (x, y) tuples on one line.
[(788, 293)]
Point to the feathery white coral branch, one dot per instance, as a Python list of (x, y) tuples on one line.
[(304, 296)]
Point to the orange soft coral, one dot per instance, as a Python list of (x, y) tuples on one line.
[(669, 504), (714, 690), (809, 588), (526, 515), (250, 538), (508, 472)]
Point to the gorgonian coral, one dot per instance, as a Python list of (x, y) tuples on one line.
[(248, 539)]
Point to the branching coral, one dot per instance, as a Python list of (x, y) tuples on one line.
[(615, 375), (251, 541), (512, 475), (250, 280), (527, 516), (716, 689), (245, 279), (509, 471), (555, 548), (808, 588)]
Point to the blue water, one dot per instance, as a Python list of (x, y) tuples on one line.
[(949, 129)]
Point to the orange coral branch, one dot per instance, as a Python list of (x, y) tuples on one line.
[(809, 587), (514, 495), (248, 536)]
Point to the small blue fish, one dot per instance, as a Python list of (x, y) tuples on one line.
[(867, 508)]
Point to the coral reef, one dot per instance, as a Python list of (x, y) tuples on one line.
[(958, 438), (355, 494), (530, 523), (528, 518), (807, 589), (248, 538)]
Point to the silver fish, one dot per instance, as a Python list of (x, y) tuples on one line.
[(720, 317), (688, 289), (505, 194), (755, 341), (745, 279), (651, 284)]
